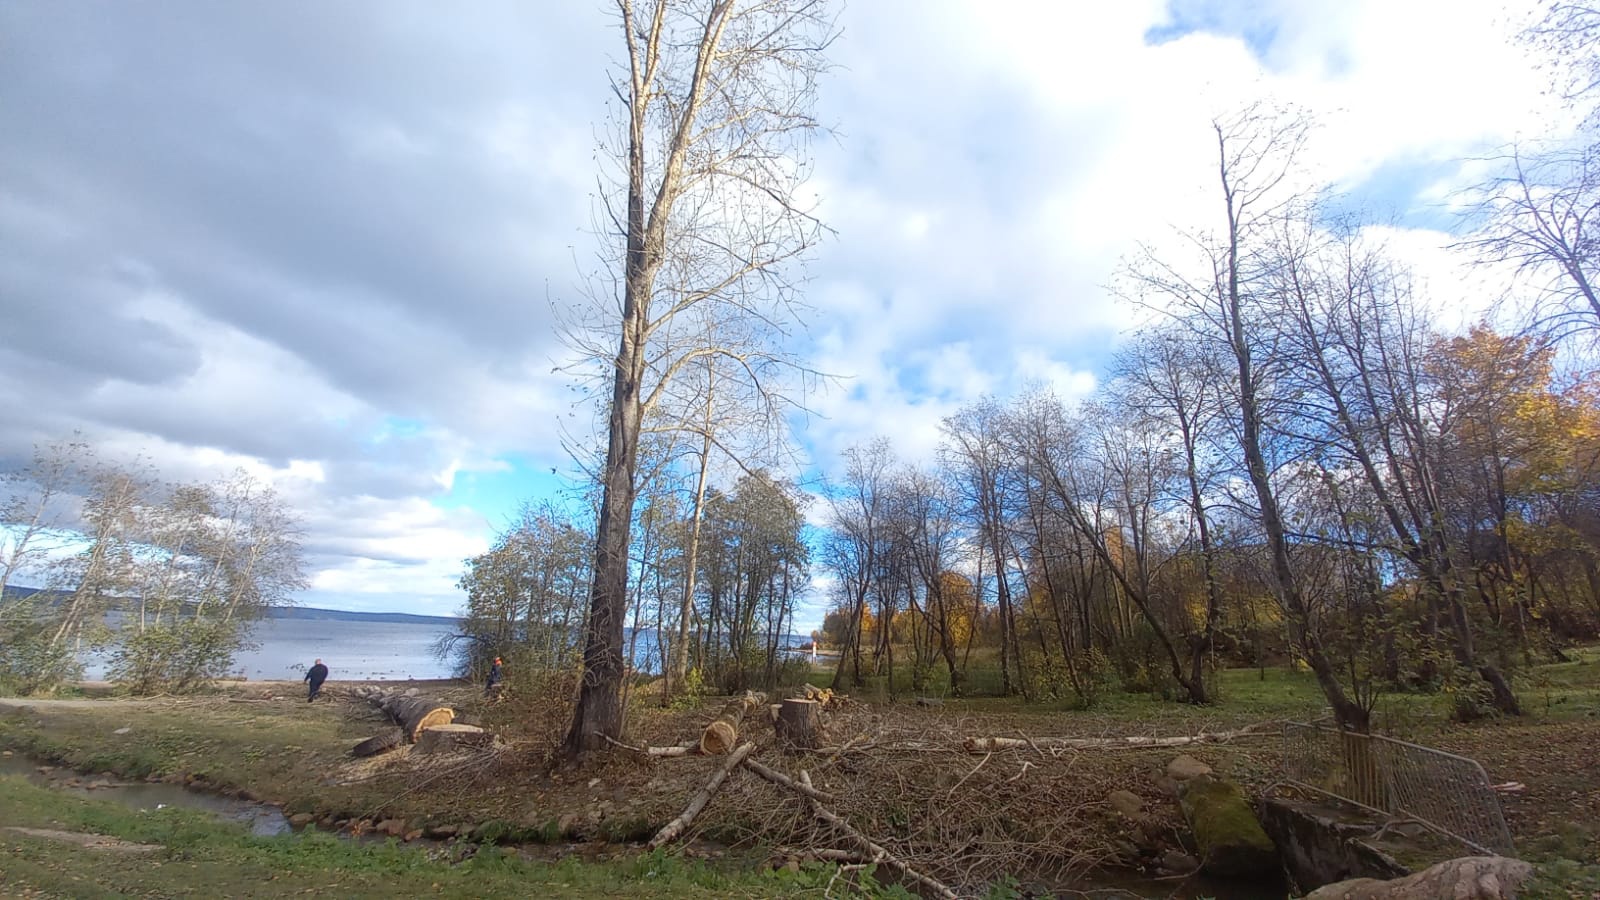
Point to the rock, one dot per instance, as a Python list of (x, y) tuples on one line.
[(1126, 802), (1177, 862), (1186, 767), (301, 820), (5, 752), (122, 730), (440, 832), (1468, 878), (411, 835), (1231, 840), (391, 827)]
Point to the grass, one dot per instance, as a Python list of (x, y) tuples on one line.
[(208, 859)]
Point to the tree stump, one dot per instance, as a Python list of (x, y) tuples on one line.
[(799, 724), (445, 738)]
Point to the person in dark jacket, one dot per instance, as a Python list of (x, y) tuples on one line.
[(493, 686), (316, 675)]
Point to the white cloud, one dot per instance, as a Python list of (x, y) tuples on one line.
[(289, 260)]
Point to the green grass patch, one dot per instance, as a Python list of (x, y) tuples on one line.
[(202, 857)]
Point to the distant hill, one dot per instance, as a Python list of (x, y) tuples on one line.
[(341, 615), (311, 613)]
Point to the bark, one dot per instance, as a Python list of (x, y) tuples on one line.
[(799, 724), (412, 713), (673, 829), (993, 744)]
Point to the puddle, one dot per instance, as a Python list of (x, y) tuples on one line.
[(261, 819)]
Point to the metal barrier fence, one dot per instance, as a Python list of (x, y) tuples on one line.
[(1448, 793)]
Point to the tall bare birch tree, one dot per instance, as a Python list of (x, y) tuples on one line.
[(716, 102)]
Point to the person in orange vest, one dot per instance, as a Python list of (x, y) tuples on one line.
[(494, 679)]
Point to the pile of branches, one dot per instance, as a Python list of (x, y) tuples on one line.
[(902, 791)]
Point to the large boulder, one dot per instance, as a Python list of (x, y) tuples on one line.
[(1230, 838), (1185, 767), (1468, 878)]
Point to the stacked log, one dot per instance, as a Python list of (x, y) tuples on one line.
[(823, 696)]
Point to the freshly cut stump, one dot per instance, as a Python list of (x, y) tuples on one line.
[(445, 738), (799, 724), (379, 743)]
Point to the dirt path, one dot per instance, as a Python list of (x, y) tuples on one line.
[(32, 703)]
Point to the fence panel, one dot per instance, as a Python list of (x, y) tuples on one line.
[(1449, 793)]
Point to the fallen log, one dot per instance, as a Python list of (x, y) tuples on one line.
[(875, 852), (671, 830), (996, 744), (720, 736), (782, 780), (378, 743), (675, 750), (411, 712)]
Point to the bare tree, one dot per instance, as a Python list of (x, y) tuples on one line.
[(715, 103), (1225, 309), (31, 514), (1543, 216)]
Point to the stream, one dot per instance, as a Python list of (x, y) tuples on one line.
[(265, 820), (262, 819)]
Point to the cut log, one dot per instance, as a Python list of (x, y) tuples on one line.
[(411, 712), (799, 724), (720, 736), (453, 737), (671, 830), (379, 743)]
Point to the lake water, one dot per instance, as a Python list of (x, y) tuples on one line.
[(356, 651), (351, 650)]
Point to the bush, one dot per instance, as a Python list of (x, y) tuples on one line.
[(176, 658), (31, 661)]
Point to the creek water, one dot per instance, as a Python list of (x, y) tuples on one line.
[(262, 819)]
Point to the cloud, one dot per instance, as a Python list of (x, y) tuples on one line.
[(264, 235)]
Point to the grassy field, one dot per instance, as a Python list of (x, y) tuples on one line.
[(198, 857)]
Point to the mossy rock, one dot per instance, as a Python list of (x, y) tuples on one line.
[(1231, 840)]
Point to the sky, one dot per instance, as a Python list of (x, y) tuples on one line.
[(328, 242)]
